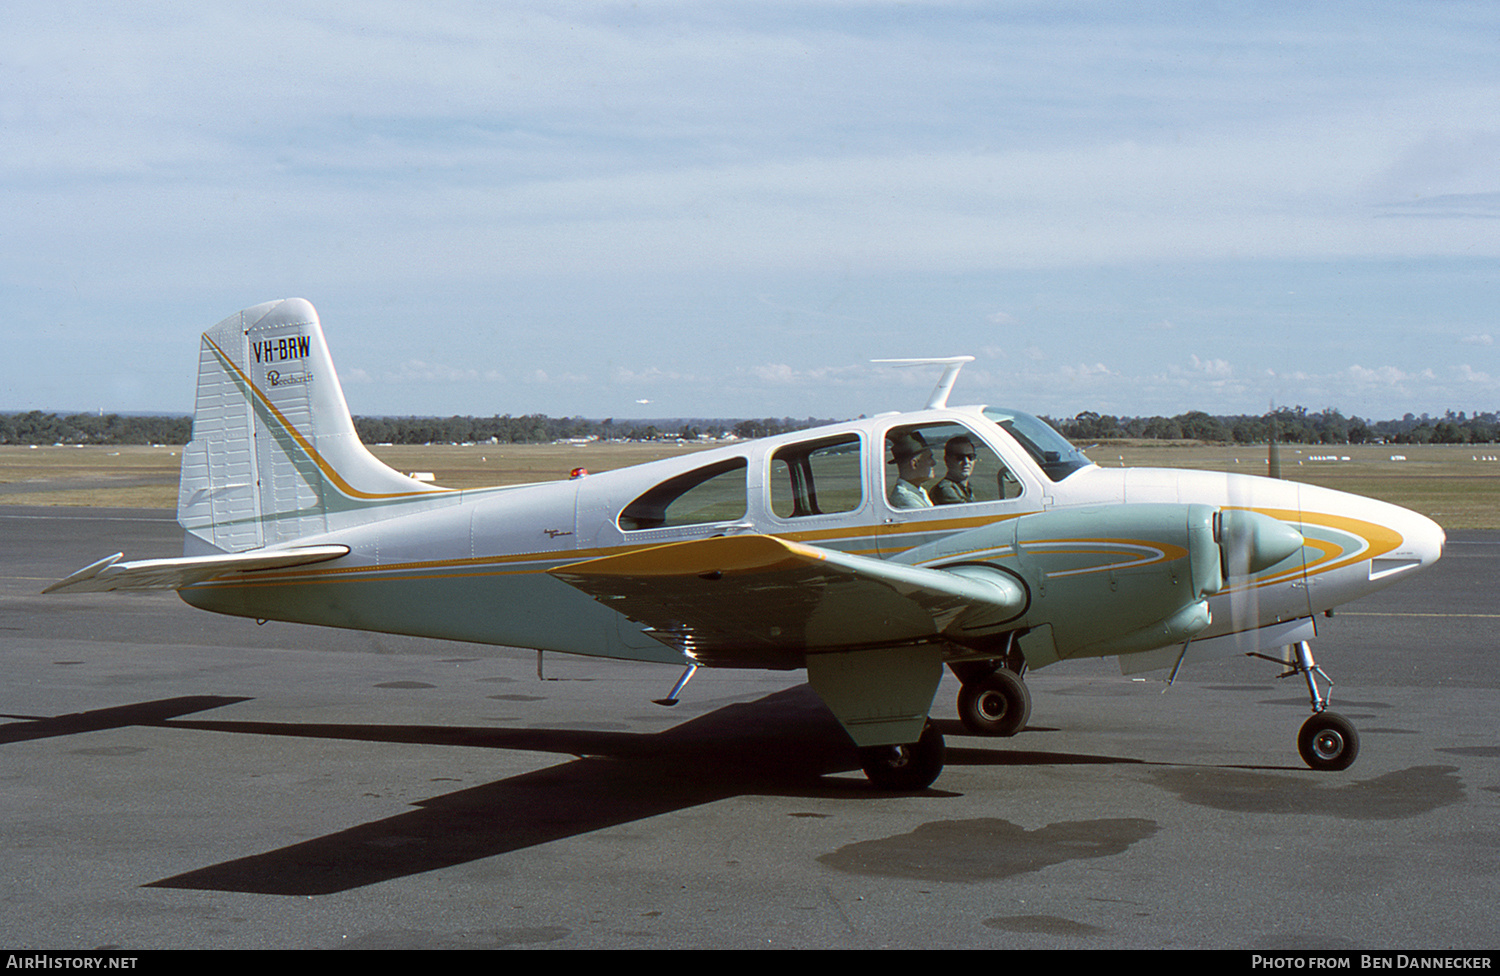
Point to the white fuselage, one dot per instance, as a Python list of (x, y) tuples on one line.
[(472, 565)]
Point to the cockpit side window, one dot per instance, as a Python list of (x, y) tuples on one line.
[(944, 464), (818, 477), (1053, 454), (714, 493)]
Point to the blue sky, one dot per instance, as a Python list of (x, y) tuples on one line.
[(729, 208)]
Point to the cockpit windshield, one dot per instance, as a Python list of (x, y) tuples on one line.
[(1051, 450)]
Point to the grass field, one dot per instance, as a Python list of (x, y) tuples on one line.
[(1454, 485)]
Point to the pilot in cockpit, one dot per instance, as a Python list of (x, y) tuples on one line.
[(954, 489)]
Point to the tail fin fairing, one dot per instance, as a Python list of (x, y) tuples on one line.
[(274, 455)]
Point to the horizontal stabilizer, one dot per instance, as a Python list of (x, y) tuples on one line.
[(173, 574), (737, 599)]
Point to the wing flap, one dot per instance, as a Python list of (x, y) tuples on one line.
[(173, 574), (738, 598)]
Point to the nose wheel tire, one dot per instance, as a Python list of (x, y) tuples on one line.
[(997, 704), (905, 768), (1328, 741)]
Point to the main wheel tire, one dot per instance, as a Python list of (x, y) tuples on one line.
[(997, 704), (1328, 741), (905, 768)]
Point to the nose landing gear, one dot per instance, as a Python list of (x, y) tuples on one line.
[(1327, 741)]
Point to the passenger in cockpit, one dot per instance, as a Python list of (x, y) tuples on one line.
[(913, 460)]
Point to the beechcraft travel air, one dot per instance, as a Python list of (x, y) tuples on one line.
[(796, 551)]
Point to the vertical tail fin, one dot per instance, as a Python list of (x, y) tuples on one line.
[(274, 455)]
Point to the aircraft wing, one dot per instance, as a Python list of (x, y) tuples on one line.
[(173, 574), (758, 599)]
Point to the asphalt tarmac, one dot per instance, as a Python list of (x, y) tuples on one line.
[(174, 779)]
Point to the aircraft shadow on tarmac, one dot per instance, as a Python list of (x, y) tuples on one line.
[(782, 744)]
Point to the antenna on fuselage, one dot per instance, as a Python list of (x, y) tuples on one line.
[(939, 398)]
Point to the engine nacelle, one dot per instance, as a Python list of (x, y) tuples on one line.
[(1110, 579)]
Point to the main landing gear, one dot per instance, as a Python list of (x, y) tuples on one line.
[(993, 700), (1327, 741), (998, 703)]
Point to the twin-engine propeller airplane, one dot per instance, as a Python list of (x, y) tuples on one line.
[(834, 550)]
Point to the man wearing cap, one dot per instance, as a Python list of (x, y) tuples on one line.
[(913, 461)]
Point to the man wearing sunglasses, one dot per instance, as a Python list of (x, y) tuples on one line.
[(954, 489)]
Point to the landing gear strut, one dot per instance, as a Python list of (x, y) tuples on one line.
[(1327, 741)]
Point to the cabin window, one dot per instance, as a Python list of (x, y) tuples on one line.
[(925, 467), (817, 477), (715, 493)]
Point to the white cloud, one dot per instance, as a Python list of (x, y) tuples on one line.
[(1384, 375), (1214, 368), (775, 373), (419, 371), (651, 376), (1470, 375), (1085, 372), (563, 379)]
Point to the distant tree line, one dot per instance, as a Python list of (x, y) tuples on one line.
[(1292, 425), (36, 427)]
